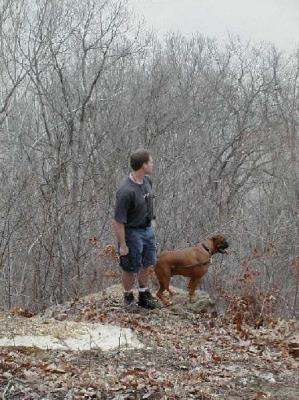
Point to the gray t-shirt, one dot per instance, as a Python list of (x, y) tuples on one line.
[(134, 203)]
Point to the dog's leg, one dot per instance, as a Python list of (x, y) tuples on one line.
[(152, 278), (192, 287), (163, 275)]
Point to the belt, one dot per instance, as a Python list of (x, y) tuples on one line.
[(138, 227)]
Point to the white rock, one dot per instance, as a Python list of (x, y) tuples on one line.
[(269, 377), (97, 336)]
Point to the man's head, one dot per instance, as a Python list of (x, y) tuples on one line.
[(142, 160)]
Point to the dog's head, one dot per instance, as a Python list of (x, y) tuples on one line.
[(220, 244)]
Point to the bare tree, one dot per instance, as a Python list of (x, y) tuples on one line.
[(82, 87)]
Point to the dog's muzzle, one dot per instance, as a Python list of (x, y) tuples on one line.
[(223, 247)]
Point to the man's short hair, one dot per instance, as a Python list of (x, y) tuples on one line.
[(138, 158)]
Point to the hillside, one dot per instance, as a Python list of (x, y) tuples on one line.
[(184, 354)]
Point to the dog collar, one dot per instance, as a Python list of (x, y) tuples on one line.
[(206, 248)]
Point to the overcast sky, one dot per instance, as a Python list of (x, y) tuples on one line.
[(275, 21)]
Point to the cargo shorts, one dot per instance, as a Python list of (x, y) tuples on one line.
[(141, 243)]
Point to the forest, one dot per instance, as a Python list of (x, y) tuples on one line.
[(83, 84)]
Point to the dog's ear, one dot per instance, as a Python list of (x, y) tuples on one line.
[(217, 238)]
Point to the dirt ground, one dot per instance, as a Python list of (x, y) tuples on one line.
[(187, 354)]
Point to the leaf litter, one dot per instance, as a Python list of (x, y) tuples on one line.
[(186, 354)]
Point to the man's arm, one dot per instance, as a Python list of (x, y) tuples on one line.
[(120, 219), (119, 230)]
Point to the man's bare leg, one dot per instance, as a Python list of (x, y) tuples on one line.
[(145, 298), (128, 280), (143, 277)]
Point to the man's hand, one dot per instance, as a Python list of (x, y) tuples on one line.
[(123, 250), (121, 238)]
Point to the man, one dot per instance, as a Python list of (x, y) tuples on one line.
[(134, 233)]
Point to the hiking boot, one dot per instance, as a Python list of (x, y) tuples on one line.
[(130, 305), (129, 299), (146, 300)]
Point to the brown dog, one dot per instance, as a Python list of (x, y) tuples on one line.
[(192, 262)]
